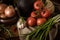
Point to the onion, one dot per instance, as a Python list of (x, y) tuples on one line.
[(31, 21), (2, 8), (3, 16), (10, 11)]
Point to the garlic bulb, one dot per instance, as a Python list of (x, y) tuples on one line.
[(21, 24)]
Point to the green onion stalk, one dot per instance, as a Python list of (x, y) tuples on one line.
[(42, 31)]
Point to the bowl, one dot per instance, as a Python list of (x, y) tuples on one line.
[(9, 21)]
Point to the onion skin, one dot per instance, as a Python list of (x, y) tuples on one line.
[(2, 8), (3, 16), (33, 14), (31, 21), (41, 21), (38, 5), (10, 11)]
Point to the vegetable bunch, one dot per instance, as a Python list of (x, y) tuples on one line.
[(39, 15), (42, 31)]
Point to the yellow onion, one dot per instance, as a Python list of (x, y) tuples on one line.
[(10, 11), (3, 16), (2, 8)]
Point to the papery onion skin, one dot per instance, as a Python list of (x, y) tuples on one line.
[(2, 7), (3, 16), (10, 11), (41, 21), (31, 21)]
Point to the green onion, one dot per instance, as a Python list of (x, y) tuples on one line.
[(42, 31)]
